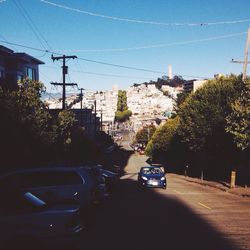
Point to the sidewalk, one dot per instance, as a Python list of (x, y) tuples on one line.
[(223, 186)]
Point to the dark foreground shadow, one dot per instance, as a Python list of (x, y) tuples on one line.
[(117, 158), (143, 219)]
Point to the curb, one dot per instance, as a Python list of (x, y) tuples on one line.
[(224, 189)]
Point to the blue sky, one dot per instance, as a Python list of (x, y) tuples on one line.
[(70, 30)]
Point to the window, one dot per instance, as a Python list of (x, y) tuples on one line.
[(31, 73)]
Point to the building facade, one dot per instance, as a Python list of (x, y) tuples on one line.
[(17, 66), (193, 85)]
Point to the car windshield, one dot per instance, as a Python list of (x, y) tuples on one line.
[(149, 171)]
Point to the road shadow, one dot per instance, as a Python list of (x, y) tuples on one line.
[(135, 218), (117, 159)]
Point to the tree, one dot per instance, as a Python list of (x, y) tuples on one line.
[(65, 125), (238, 121), (161, 139), (203, 114), (122, 114), (181, 97), (203, 125), (26, 128), (144, 134)]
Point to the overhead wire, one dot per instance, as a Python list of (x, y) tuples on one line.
[(156, 45), (142, 21), (100, 74), (31, 24), (97, 62), (35, 26)]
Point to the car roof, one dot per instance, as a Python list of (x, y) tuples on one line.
[(43, 169), (150, 166)]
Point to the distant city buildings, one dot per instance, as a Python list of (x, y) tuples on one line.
[(17, 66), (150, 104), (147, 103)]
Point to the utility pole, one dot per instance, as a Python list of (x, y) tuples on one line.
[(64, 73), (101, 119), (95, 116), (245, 62), (81, 96), (246, 56)]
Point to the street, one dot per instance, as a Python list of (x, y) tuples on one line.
[(184, 216)]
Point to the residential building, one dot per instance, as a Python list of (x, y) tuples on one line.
[(17, 66), (193, 85)]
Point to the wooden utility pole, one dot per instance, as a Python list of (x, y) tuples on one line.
[(245, 62), (101, 119), (64, 73), (81, 111), (81, 96), (95, 116), (246, 56)]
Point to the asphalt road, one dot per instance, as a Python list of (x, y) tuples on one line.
[(184, 216)]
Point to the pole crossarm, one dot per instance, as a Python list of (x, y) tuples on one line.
[(61, 84), (64, 72), (235, 61), (62, 57)]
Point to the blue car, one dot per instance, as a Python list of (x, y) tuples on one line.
[(152, 176)]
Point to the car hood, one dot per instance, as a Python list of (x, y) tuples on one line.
[(154, 176)]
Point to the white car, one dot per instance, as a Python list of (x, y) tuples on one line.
[(27, 222)]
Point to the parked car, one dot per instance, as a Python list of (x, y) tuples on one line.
[(28, 222), (55, 184), (101, 189), (111, 179), (152, 176)]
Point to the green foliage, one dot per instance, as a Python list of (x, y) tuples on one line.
[(122, 101), (31, 138), (162, 138), (203, 133), (122, 114), (203, 114), (65, 125), (176, 81), (181, 97), (144, 135), (25, 122), (238, 121)]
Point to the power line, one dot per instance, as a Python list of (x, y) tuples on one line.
[(95, 61), (29, 47), (121, 66), (100, 74), (156, 45), (35, 26), (143, 21), (31, 24)]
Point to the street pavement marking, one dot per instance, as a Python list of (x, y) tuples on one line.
[(203, 205), (177, 192)]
